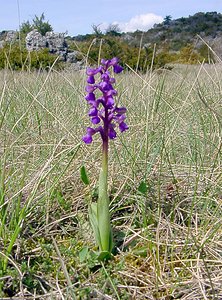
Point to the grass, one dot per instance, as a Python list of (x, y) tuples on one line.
[(164, 183)]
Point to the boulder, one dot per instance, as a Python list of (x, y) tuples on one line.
[(8, 36), (72, 57), (56, 42), (35, 41), (11, 36)]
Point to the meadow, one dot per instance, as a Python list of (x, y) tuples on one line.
[(164, 185)]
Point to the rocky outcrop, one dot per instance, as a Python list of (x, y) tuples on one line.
[(8, 36), (71, 57), (11, 36), (55, 42), (35, 41)]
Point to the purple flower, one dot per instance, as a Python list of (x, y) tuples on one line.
[(95, 120), (123, 126), (88, 137), (93, 112), (91, 79), (112, 133), (92, 72), (120, 110), (90, 96), (117, 69), (90, 88), (103, 108)]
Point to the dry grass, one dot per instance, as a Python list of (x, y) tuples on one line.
[(168, 237)]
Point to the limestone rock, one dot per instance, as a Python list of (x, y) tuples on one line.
[(11, 36), (8, 36), (72, 57), (35, 41), (56, 42)]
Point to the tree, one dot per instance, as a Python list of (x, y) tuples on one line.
[(40, 24), (96, 30), (167, 20), (26, 27), (113, 29), (37, 23)]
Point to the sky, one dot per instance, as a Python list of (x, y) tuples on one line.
[(78, 16)]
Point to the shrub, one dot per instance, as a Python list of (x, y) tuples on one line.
[(38, 23), (15, 57), (189, 55)]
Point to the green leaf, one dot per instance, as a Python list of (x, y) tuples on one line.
[(83, 254), (143, 187), (83, 175), (93, 218), (104, 255)]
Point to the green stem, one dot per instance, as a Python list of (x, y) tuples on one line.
[(104, 225)]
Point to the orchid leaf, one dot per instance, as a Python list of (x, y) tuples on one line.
[(83, 175), (143, 187), (94, 222), (83, 254), (104, 255)]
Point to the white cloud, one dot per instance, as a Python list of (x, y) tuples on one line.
[(140, 22)]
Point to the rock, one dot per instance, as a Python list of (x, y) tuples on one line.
[(35, 41), (3, 35), (8, 36), (56, 42), (79, 65), (71, 57), (127, 37), (11, 36)]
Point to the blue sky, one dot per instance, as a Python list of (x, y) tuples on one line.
[(78, 16)]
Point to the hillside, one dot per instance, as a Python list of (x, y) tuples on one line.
[(177, 33), (182, 40)]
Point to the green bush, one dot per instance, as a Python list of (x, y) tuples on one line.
[(38, 23), (15, 57), (12, 57), (135, 57), (188, 55)]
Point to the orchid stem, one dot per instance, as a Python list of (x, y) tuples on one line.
[(103, 204)]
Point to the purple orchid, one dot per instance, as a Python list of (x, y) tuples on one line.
[(106, 116), (103, 109)]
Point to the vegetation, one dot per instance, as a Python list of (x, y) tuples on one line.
[(16, 57), (173, 41), (38, 23), (164, 183), (167, 20), (177, 33)]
